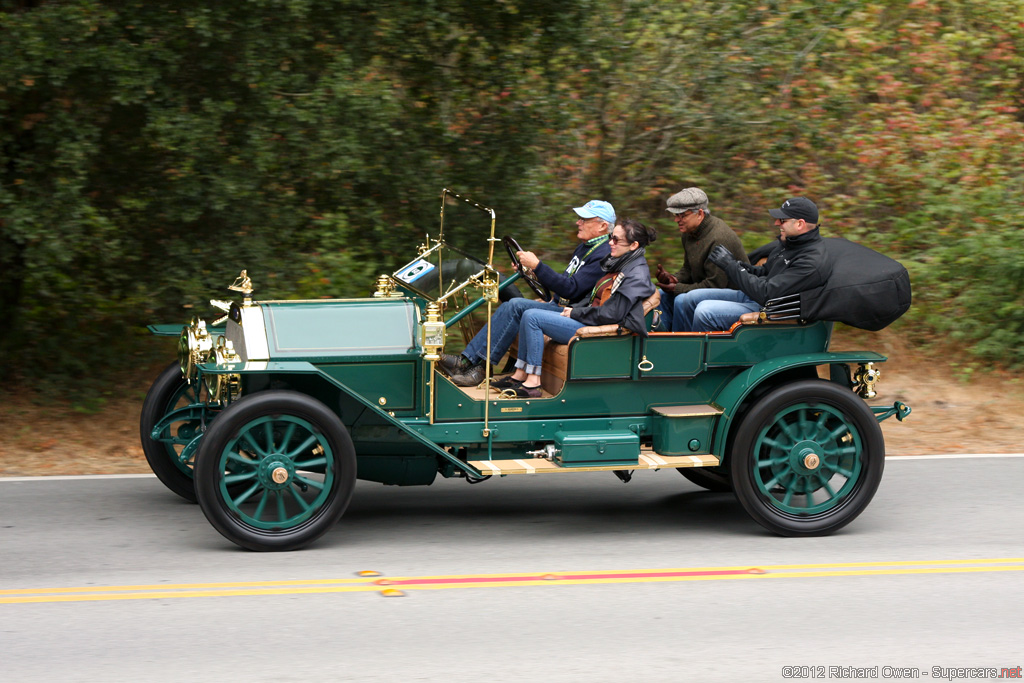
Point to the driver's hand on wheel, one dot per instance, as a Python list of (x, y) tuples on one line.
[(528, 259)]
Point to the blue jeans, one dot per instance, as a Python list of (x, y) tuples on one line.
[(668, 300), (504, 328), (705, 310), (534, 325)]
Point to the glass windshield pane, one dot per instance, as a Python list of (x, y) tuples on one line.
[(438, 271)]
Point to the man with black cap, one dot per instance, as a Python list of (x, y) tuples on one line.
[(700, 232), (797, 262), (594, 222)]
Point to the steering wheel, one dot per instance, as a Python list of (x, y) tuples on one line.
[(511, 246)]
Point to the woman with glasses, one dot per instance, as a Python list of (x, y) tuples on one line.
[(616, 299)]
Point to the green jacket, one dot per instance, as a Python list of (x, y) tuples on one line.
[(696, 272)]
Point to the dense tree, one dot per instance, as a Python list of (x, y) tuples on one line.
[(904, 120), (150, 150)]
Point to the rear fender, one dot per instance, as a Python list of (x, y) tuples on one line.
[(768, 373)]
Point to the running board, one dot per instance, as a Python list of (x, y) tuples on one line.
[(649, 460)]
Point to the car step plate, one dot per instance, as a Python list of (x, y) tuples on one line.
[(649, 460)]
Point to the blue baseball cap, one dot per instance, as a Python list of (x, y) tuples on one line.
[(596, 208)]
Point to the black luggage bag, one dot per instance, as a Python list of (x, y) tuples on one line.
[(867, 289)]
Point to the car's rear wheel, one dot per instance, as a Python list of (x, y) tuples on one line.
[(808, 458), (711, 478), (275, 471), (166, 454)]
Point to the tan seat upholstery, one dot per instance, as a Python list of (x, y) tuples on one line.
[(556, 361), (650, 303)]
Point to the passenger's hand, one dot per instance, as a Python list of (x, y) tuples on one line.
[(528, 259), (720, 256), (664, 277), (566, 312)]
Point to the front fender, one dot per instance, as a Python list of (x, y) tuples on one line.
[(731, 398), (195, 411), (294, 368)]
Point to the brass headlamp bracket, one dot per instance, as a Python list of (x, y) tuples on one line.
[(223, 387), (432, 333), (864, 380), (385, 287), (489, 286), (195, 346)]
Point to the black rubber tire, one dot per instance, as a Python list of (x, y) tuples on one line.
[(209, 470), (761, 502), (160, 399), (711, 478)]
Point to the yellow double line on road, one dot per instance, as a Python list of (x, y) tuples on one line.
[(397, 585)]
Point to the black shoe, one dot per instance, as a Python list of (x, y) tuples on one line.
[(471, 377), (451, 365), (523, 391), (506, 382)]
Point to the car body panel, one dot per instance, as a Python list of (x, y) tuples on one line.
[(361, 328)]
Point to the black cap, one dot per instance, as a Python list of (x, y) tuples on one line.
[(797, 207)]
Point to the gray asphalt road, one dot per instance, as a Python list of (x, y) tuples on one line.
[(932, 584)]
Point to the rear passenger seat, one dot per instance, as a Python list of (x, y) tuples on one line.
[(556, 356)]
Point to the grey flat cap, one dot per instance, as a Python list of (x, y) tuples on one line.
[(687, 199)]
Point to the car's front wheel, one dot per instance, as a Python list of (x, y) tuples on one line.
[(808, 458), (275, 471), (169, 453)]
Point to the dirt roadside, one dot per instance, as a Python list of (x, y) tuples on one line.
[(949, 416)]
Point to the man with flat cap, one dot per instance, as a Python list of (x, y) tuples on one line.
[(700, 232), (796, 262), (594, 222)]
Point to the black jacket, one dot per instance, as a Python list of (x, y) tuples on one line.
[(797, 264), (571, 287), (625, 305)]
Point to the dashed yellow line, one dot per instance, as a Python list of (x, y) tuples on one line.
[(519, 579)]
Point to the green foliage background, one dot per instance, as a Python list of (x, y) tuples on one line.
[(150, 150)]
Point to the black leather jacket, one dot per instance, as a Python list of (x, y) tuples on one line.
[(797, 264)]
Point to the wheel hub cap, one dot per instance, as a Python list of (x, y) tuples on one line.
[(275, 472), (805, 457)]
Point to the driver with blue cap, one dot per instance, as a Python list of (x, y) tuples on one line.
[(595, 221)]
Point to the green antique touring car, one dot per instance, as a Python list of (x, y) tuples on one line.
[(270, 414)]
